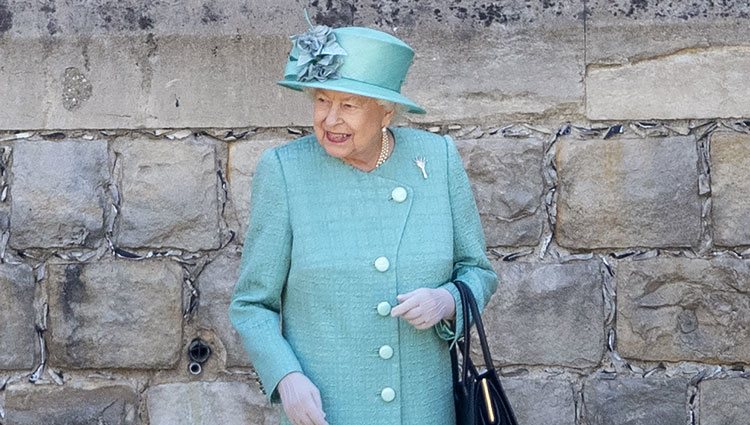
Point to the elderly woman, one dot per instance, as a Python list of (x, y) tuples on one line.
[(345, 301)]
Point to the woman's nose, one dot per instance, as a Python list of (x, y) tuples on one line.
[(333, 116)]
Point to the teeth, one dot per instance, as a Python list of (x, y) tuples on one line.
[(337, 137)]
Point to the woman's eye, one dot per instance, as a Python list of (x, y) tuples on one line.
[(349, 106)]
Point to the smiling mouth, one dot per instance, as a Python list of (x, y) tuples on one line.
[(337, 137)]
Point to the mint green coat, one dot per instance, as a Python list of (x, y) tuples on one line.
[(328, 249)]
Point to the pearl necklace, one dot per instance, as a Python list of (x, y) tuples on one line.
[(385, 148)]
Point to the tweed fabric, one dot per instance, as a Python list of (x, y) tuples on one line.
[(316, 228)]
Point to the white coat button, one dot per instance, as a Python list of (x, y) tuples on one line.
[(385, 352), (384, 308), (399, 194), (388, 394), (382, 264)]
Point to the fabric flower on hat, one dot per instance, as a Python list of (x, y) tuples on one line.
[(320, 56)]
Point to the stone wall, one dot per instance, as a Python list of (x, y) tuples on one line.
[(608, 144)]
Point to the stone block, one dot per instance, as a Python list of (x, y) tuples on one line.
[(619, 31), (666, 87), (730, 188), (548, 314), (506, 176), (635, 402), (208, 403), (115, 314), (216, 284), (110, 404), (468, 87), (628, 192), (17, 314), (243, 157), (223, 81), (676, 309), (649, 60), (58, 193), (725, 401), (536, 401), (169, 194)]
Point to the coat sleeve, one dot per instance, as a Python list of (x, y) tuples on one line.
[(255, 307), (470, 263)]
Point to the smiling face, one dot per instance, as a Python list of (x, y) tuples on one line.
[(349, 126)]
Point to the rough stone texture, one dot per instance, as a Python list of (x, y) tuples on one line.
[(725, 401), (243, 157), (115, 314), (162, 81), (76, 88), (105, 18), (663, 58), (676, 309), (70, 405), (203, 64), (17, 334), (544, 39), (730, 188), (628, 192), (635, 402), (549, 402), (224, 82), (470, 88), (618, 31), (216, 285), (667, 87), (58, 193), (506, 175), (6, 17), (38, 72), (214, 64), (178, 177), (208, 403), (547, 314)]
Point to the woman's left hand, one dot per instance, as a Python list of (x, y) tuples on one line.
[(424, 307)]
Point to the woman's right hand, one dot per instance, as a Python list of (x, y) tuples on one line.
[(301, 400)]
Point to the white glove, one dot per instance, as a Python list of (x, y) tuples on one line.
[(301, 400), (424, 307)]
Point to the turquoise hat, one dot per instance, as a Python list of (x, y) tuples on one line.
[(353, 60)]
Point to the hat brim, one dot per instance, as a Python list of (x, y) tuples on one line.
[(356, 87)]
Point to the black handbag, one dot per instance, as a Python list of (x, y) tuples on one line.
[(479, 397)]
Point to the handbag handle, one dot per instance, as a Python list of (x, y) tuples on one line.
[(464, 347), (471, 311)]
